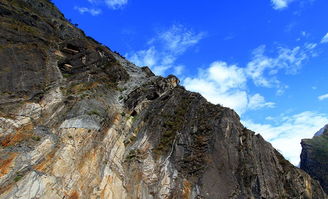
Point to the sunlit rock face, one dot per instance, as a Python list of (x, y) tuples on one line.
[(314, 157), (322, 131), (79, 121)]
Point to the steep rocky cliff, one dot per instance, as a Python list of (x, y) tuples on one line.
[(79, 121), (314, 157)]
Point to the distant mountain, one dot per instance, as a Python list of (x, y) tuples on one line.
[(321, 131), (314, 157)]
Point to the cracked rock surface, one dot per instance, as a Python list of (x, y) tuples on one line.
[(80, 121)]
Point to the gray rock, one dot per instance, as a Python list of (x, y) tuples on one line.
[(322, 131), (83, 121)]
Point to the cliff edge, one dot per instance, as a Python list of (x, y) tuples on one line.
[(314, 157)]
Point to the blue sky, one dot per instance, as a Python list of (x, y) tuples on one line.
[(267, 59)]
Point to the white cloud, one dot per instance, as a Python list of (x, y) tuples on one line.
[(287, 134), (257, 66), (280, 4), (304, 34), (158, 61), (257, 101), (92, 11), (236, 99), (225, 84), (112, 4), (145, 57), (116, 4), (179, 39), (323, 97), (178, 69), (165, 48), (227, 76), (221, 84), (310, 46), (262, 69), (324, 39)]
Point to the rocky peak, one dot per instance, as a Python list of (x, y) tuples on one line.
[(79, 121), (323, 130), (314, 157)]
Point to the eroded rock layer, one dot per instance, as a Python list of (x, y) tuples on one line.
[(79, 121)]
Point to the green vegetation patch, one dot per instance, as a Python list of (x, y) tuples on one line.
[(320, 148), (94, 112), (36, 138), (21, 27), (18, 177), (67, 75), (80, 88), (172, 125)]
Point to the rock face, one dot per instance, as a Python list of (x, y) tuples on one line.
[(314, 157), (79, 121)]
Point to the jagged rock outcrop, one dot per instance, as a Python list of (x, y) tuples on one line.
[(322, 131), (314, 157), (79, 121)]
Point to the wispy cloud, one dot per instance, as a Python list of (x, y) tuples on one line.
[(280, 4), (283, 4), (323, 97), (257, 101), (263, 69), (286, 135), (178, 39), (92, 11), (324, 39), (116, 4), (164, 49), (178, 69)]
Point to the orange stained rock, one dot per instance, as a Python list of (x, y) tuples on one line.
[(20, 135), (45, 163), (117, 118), (6, 188), (79, 88), (186, 189), (6, 164), (88, 161), (74, 195)]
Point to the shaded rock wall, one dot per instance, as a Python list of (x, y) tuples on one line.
[(314, 157)]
